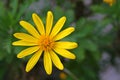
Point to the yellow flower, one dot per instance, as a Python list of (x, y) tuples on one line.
[(45, 40), (63, 76), (110, 2)]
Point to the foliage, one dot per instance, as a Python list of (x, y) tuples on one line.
[(91, 35)]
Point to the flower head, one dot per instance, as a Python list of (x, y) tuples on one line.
[(45, 40), (63, 76), (110, 2)]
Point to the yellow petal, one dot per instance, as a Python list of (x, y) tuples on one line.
[(49, 22), (27, 51), (47, 63), (39, 24), (56, 60), (33, 60), (26, 37), (66, 45), (58, 26), (64, 33), (65, 53), (30, 28), (23, 43)]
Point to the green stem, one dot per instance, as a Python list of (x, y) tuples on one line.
[(70, 73)]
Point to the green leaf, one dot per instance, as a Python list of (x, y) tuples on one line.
[(80, 53), (2, 54), (88, 45), (7, 45), (90, 73), (2, 8), (98, 9), (84, 28), (58, 12), (70, 16), (96, 55), (80, 23), (2, 72), (14, 6)]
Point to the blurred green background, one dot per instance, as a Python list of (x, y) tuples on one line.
[(97, 32)]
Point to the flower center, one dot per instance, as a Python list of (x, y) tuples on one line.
[(46, 43)]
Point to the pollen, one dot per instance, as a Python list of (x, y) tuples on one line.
[(46, 43)]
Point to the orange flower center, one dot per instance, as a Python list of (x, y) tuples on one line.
[(109, 1), (46, 43)]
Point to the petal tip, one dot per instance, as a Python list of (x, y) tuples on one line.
[(34, 14), (49, 73), (21, 22), (18, 56), (74, 57), (13, 43), (72, 29), (76, 45), (14, 34), (49, 12), (61, 68), (64, 18), (27, 70)]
